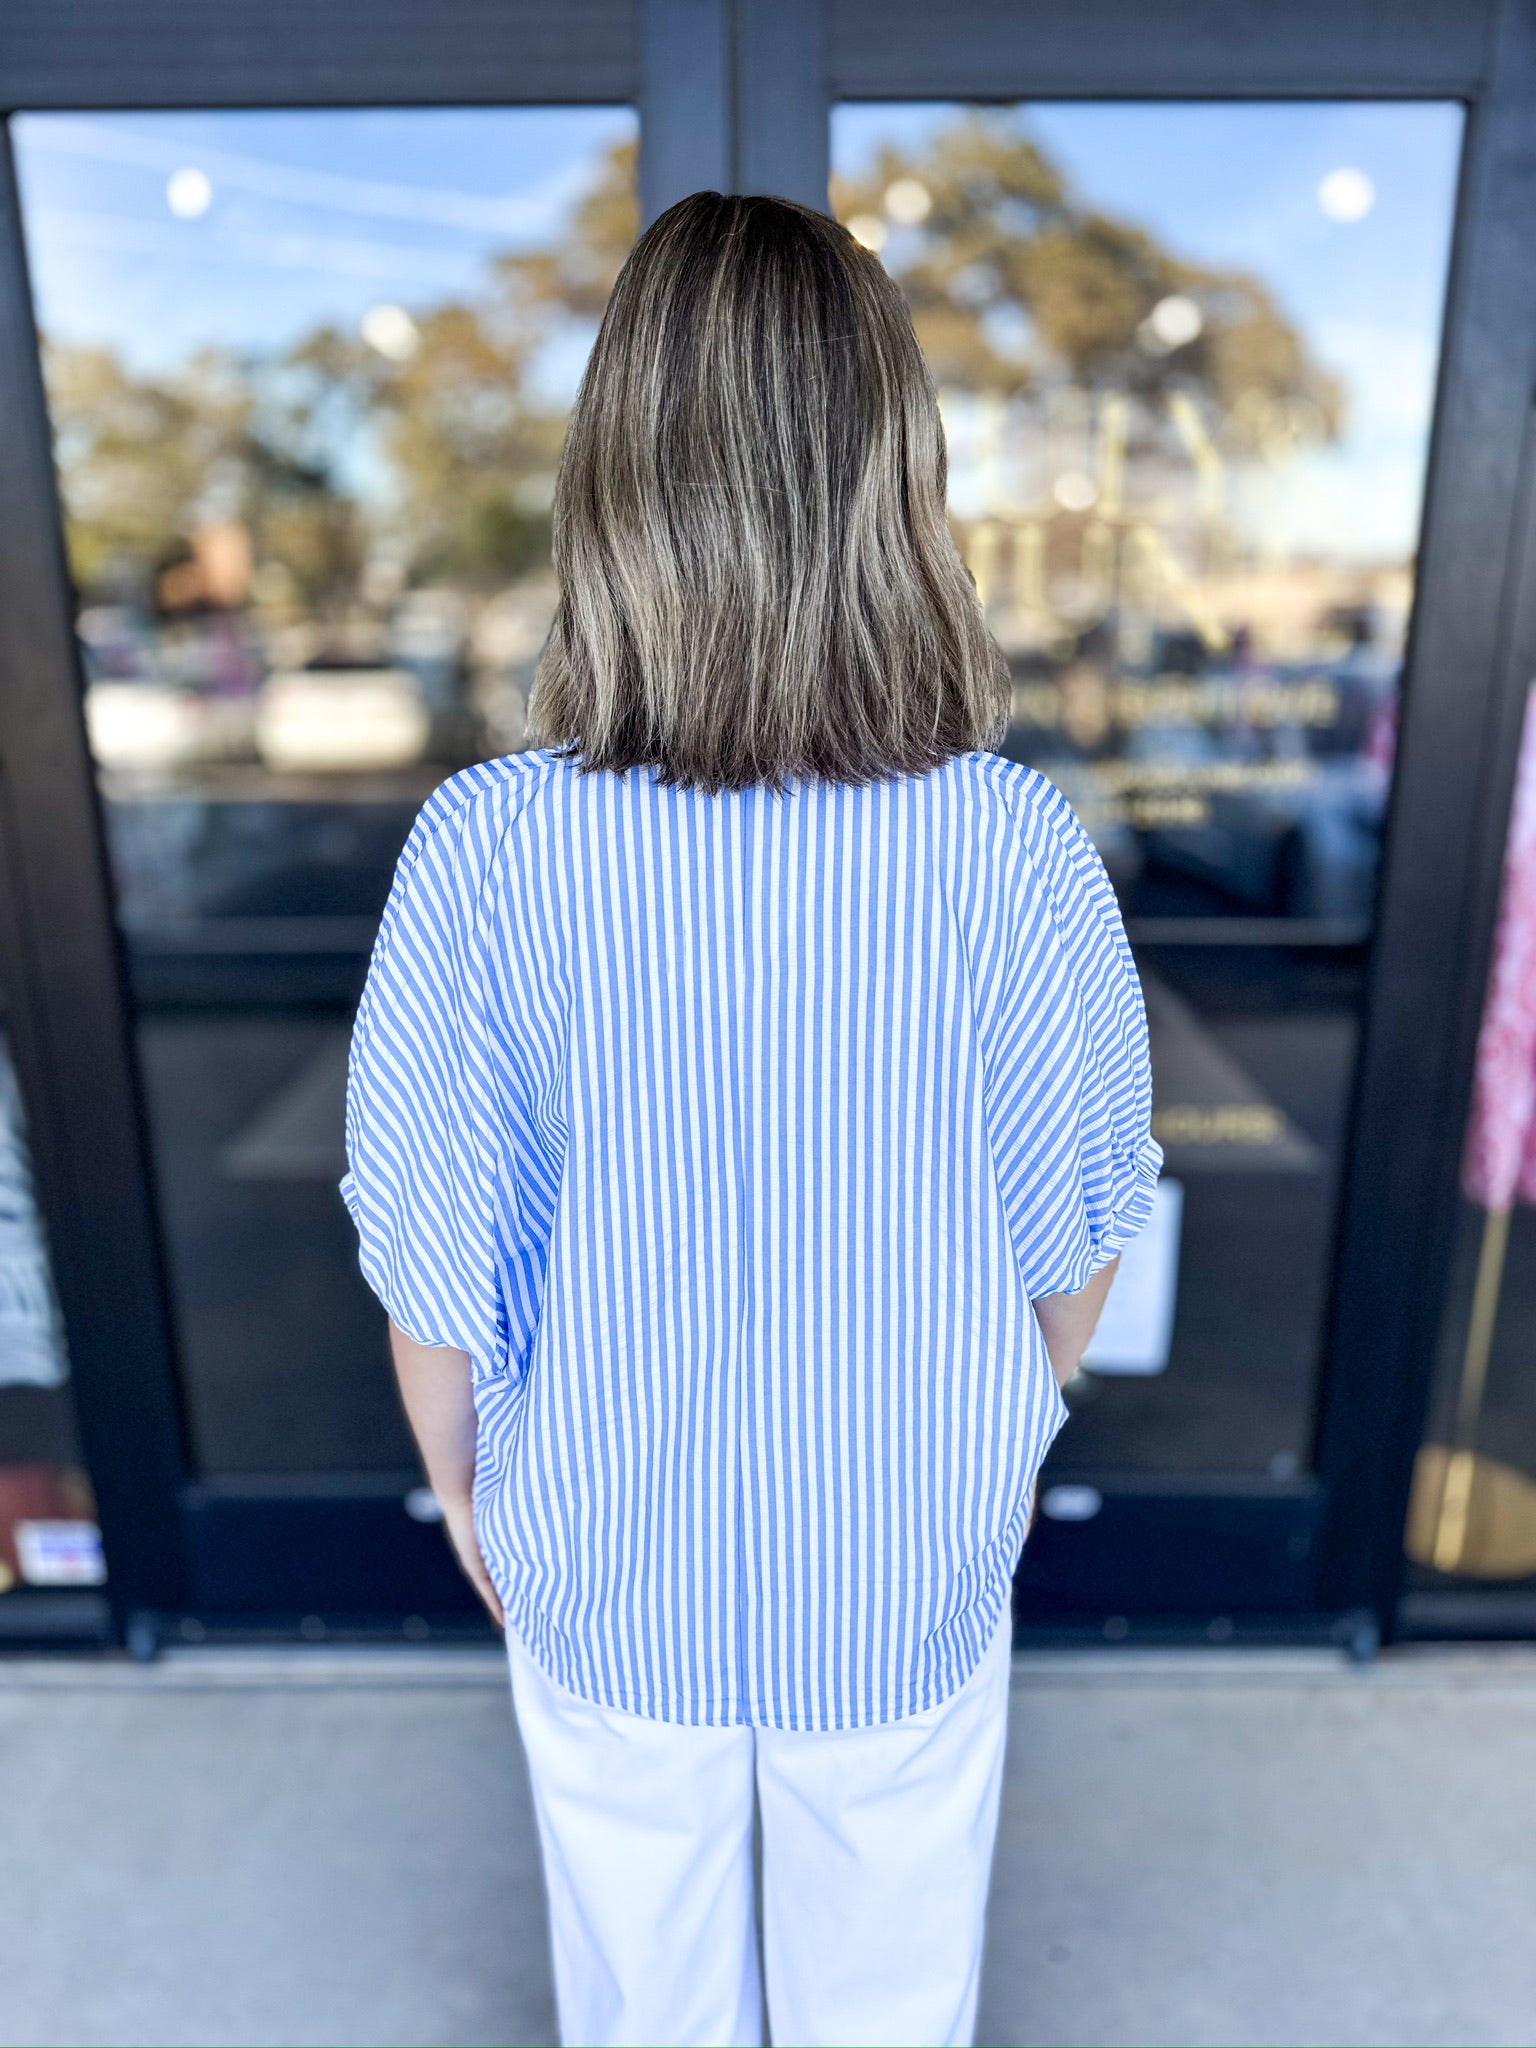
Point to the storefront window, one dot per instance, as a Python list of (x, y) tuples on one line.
[(1186, 357), (308, 375)]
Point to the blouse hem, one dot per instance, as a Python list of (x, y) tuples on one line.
[(708, 1713)]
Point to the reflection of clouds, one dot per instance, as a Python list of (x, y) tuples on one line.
[(246, 248), (532, 212), (283, 249)]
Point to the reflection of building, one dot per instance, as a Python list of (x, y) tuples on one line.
[(1221, 708)]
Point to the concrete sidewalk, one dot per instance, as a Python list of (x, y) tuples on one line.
[(1237, 1847)]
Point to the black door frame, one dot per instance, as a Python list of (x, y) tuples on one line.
[(737, 93)]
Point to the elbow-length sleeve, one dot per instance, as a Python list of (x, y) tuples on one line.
[(1071, 1081), (422, 1140)]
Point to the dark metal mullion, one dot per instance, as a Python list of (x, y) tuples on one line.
[(64, 981), (734, 97), (782, 99), (1470, 658), (686, 143)]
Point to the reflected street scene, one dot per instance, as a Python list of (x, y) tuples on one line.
[(307, 419), (1187, 389), (308, 375), (307, 404), (1186, 357)]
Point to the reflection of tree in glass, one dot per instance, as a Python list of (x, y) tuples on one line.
[(1017, 288), (1014, 280), (463, 435)]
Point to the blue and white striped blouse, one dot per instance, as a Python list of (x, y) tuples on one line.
[(731, 1137)]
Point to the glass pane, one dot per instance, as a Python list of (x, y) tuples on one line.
[(1186, 357), (308, 375), (48, 1533), (1472, 1514)]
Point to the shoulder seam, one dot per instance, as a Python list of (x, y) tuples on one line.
[(481, 778), (1043, 801), (443, 810), (449, 802)]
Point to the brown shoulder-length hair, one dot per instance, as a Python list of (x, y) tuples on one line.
[(757, 579)]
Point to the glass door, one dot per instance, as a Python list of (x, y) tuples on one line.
[(307, 374), (1187, 357)]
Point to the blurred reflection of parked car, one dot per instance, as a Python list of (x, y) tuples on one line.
[(164, 725), (429, 638), (153, 704), (341, 719)]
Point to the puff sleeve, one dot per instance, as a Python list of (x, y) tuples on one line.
[(1070, 1079)]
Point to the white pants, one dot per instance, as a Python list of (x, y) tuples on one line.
[(876, 1852)]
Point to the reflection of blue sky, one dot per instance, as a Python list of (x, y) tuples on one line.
[(316, 216), (1236, 185)]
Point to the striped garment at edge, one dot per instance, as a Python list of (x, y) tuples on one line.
[(731, 1137)]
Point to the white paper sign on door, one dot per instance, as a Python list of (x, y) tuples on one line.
[(1136, 1328)]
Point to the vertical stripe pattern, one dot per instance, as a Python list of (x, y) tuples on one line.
[(731, 1136)]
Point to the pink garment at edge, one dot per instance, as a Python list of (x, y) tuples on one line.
[(1499, 1162)]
